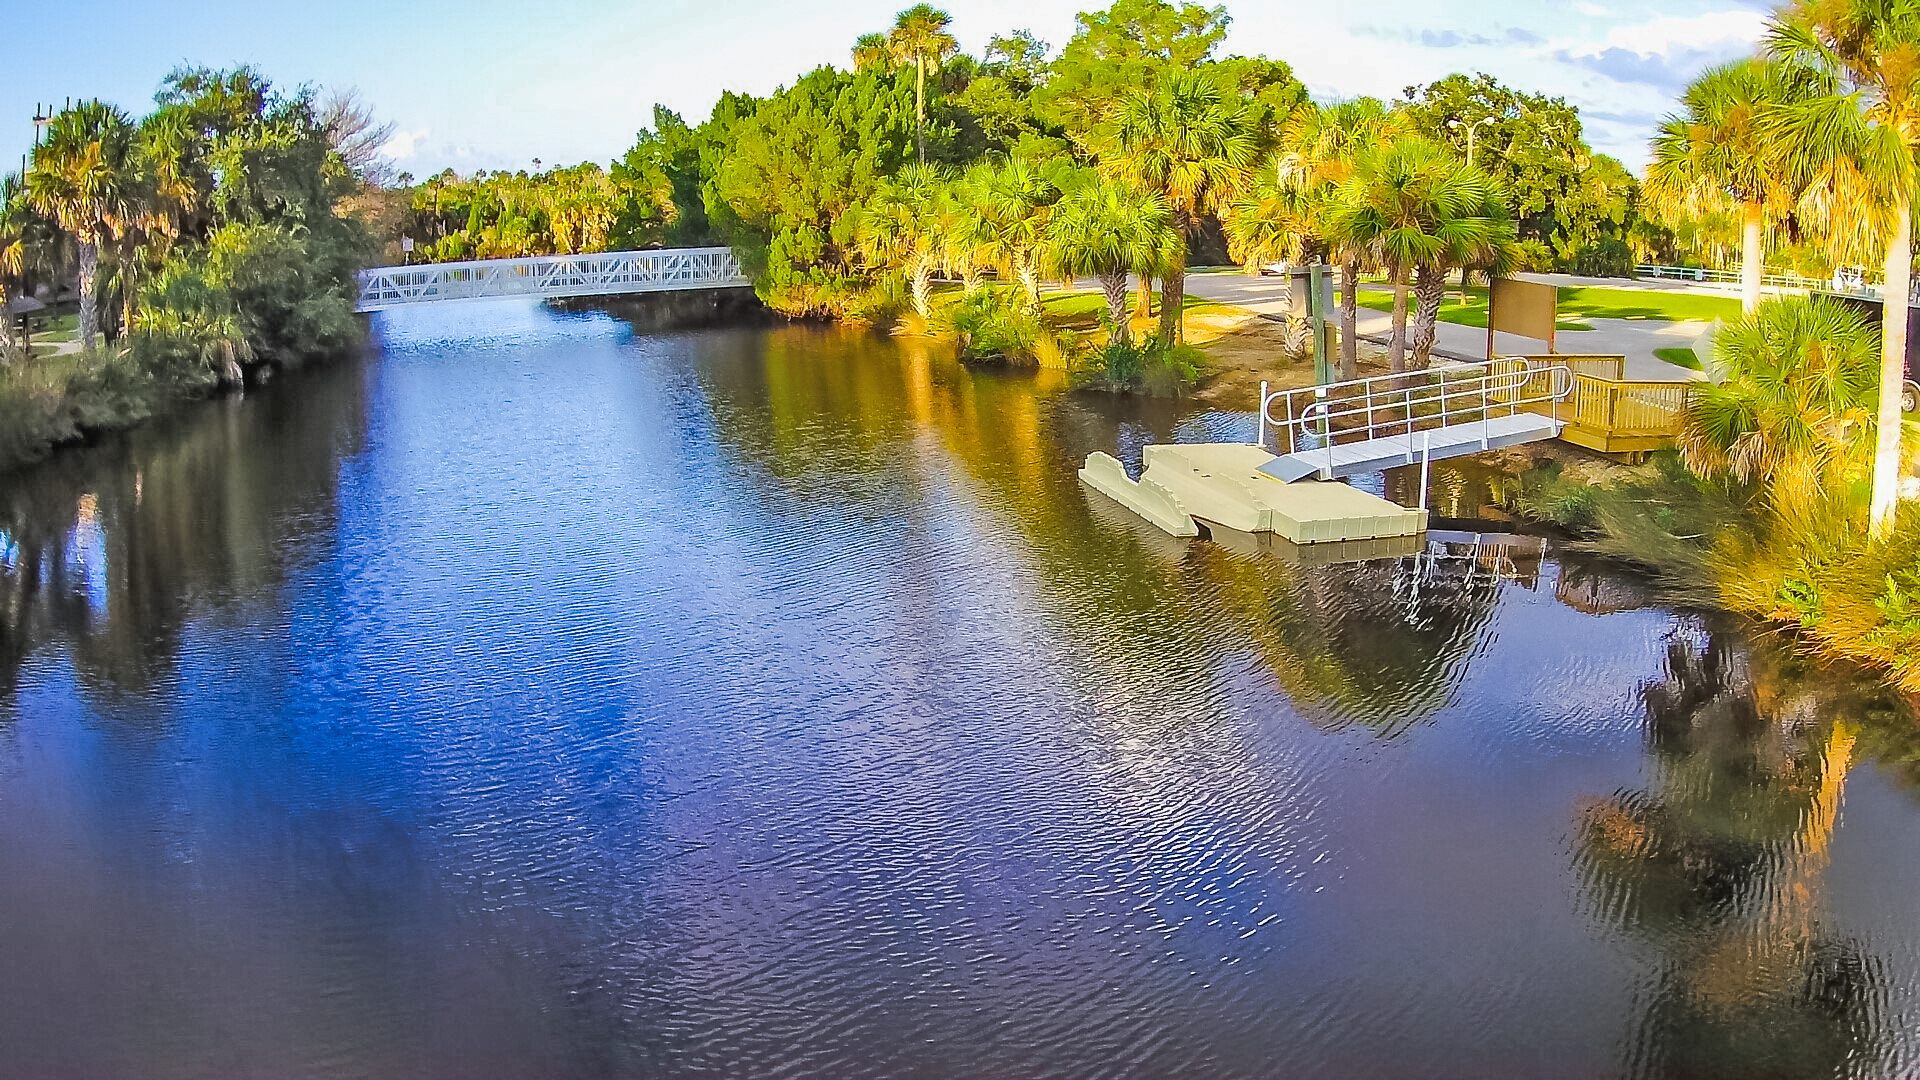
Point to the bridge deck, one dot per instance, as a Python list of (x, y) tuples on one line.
[(605, 273)]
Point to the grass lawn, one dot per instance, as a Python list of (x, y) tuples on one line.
[(1660, 305), (1092, 304), (1679, 355), (60, 328), (1472, 313), (1581, 303)]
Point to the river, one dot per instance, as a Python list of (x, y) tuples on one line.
[(534, 697)]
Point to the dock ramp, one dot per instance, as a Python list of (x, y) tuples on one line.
[(1367, 425)]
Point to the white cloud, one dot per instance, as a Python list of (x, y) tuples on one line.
[(403, 144), (1665, 35)]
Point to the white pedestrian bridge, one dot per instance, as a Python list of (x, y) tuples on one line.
[(606, 273)]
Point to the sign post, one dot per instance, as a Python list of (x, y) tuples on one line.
[(1311, 293)]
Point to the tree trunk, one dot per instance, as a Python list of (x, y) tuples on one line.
[(922, 288), (1029, 277), (1143, 302), (1750, 233), (1429, 290), (1114, 285), (1893, 368), (1350, 319), (1397, 348), (920, 108), (89, 313), (128, 281), (6, 329), (1174, 285), (1173, 296)]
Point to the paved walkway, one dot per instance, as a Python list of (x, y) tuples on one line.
[(1633, 338)]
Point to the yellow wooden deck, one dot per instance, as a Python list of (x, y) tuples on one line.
[(1613, 415)]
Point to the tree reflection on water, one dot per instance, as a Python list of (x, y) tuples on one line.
[(1717, 866)]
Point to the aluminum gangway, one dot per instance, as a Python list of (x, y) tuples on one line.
[(605, 273), (1367, 425)]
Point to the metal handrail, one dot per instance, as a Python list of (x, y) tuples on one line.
[(1379, 406), (1705, 275)]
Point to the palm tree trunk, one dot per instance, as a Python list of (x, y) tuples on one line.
[(1893, 368), (1429, 290), (922, 287), (1173, 290), (1114, 285), (920, 108), (1350, 318), (1397, 349), (1029, 277), (89, 313), (1143, 301), (127, 283), (1750, 232)]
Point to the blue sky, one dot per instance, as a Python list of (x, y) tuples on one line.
[(494, 83)]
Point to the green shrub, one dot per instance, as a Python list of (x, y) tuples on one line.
[(1608, 256), (995, 322), (882, 304), (1142, 368), (58, 399)]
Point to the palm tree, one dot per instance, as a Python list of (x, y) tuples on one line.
[(1862, 140), (1798, 392), (83, 176), (196, 320), (13, 250), (1183, 139), (1406, 204), (920, 38), (1004, 207), (1477, 233), (1321, 149), (870, 53), (1108, 229), (903, 225), (1724, 147)]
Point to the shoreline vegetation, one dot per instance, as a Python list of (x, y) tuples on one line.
[(201, 245)]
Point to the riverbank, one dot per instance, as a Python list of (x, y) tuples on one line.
[(1818, 578), (65, 399)]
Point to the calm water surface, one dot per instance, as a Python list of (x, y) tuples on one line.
[(539, 699)]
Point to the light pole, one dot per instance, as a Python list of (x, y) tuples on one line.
[(1472, 130)]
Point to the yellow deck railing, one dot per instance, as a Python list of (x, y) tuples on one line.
[(1607, 413)]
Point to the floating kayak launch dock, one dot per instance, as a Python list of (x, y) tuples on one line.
[(1334, 431), (1221, 484)]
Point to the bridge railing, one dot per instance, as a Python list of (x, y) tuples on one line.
[(596, 274), (1380, 406)]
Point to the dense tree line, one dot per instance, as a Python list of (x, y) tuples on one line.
[(910, 131)]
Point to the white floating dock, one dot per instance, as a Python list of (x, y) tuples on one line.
[(1105, 474), (1222, 484)]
